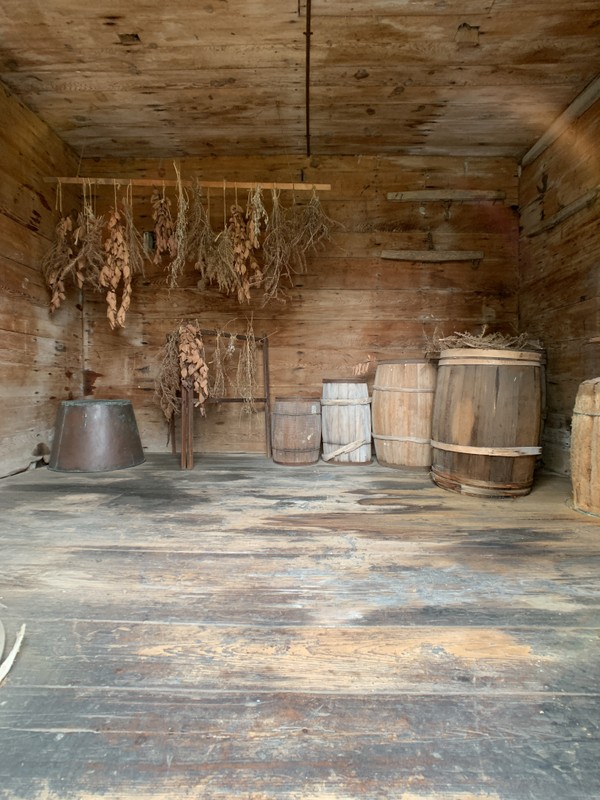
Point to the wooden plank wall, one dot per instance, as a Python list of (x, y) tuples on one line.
[(350, 306), (560, 290), (40, 356)]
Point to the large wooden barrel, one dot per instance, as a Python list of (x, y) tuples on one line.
[(346, 421), (296, 430), (486, 421), (585, 448), (401, 412)]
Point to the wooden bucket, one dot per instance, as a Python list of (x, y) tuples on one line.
[(486, 421), (346, 421), (401, 412), (296, 430), (585, 448)]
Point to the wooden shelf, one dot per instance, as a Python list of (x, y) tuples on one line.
[(432, 256), (447, 195)]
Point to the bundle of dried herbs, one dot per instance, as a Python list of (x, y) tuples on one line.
[(165, 243), (59, 262), (180, 235), (278, 251)]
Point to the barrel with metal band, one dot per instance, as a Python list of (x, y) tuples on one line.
[(346, 421), (486, 421), (401, 412)]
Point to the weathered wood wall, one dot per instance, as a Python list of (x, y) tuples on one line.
[(560, 272), (40, 356), (351, 305)]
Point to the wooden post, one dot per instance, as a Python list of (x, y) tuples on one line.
[(265, 344)]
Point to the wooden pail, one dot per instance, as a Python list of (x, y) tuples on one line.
[(346, 421), (296, 430), (585, 448), (401, 412), (486, 421)]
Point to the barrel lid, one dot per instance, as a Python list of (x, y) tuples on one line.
[(295, 398), (345, 380), (481, 353), (421, 360)]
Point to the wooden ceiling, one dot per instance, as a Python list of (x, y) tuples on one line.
[(229, 77)]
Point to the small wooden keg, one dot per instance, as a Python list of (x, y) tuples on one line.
[(296, 430)]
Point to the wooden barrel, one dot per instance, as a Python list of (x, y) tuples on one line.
[(346, 421), (401, 412), (296, 430), (585, 448), (486, 421)]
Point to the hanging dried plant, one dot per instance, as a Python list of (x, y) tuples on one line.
[(192, 363), (201, 237), (257, 216), (168, 379), (277, 251), (59, 262), (216, 388), (133, 238), (312, 226), (245, 266), (88, 238), (180, 234), (246, 370), (164, 227), (116, 271)]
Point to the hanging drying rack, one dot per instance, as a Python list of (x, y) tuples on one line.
[(224, 184)]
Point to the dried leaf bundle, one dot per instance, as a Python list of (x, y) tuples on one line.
[(116, 271), (59, 262), (164, 227), (88, 238), (192, 362), (245, 265)]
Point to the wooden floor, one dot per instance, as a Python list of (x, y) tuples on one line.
[(247, 630)]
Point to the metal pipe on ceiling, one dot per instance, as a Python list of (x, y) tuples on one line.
[(308, 34)]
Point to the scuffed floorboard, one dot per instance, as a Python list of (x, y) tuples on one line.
[(256, 632)]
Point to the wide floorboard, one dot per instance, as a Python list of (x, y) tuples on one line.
[(250, 631)]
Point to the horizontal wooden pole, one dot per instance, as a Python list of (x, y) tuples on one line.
[(224, 184), (568, 211), (579, 106), (432, 256), (449, 195)]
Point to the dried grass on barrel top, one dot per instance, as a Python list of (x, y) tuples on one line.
[(483, 340)]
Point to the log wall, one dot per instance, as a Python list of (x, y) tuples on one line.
[(40, 356), (560, 275), (351, 305)]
